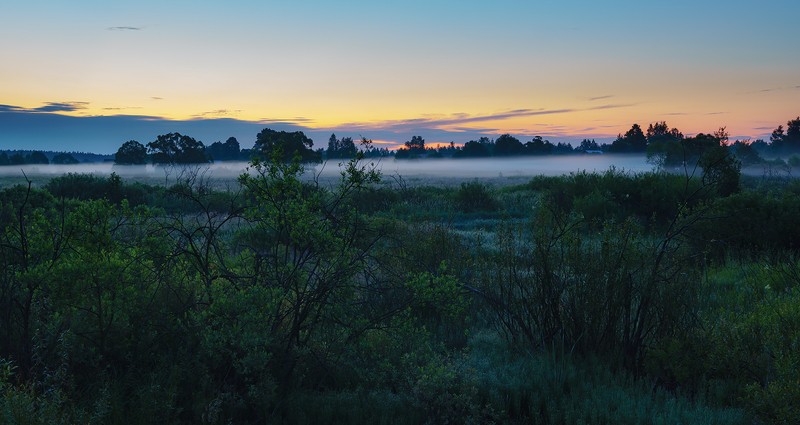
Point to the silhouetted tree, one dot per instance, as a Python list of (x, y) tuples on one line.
[(539, 146), (416, 145), (269, 141), (562, 148), (131, 153), (475, 149), (720, 169), (228, 151), (16, 159), (788, 142), (64, 158), (163, 150), (4, 158), (588, 145), (507, 144), (344, 148), (745, 153), (190, 151), (175, 148), (37, 157), (412, 148), (660, 132), (633, 140)]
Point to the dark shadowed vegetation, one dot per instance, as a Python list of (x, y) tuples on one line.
[(663, 297)]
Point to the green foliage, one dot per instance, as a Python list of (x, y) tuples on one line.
[(720, 170), (588, 298), (615, 195), (633, 140), (131, 153), (172, 148), (228, 151), (612, 293), (476, 197), (285, 145), (64, 158), (344, 148)]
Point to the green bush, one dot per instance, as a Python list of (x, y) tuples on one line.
[(475, 197)]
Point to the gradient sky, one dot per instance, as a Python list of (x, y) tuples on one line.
[(449, 70)]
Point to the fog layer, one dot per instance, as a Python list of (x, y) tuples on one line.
[(436, 168)]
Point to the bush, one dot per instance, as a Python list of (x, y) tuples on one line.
[(476, 197)]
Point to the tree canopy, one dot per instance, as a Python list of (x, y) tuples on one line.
[(228, 151), (341, 148), (507, 144), (788, 141), (175, 148), (270, 142), (633, 140), (131, 153)]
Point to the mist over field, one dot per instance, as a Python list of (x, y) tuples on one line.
[(411, 169)]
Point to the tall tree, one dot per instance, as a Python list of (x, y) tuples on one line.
[(228, 151), (190, 151), (285, 144), (175, 148), (539, 146), (660, 132), (64, 158), (588, 145), (344, 148), (416, 145), (788, 141), (633, 140), (37, 157), (507, 144), (131, 153)]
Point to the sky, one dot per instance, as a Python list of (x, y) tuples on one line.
[(89, 75)]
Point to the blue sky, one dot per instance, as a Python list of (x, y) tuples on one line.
[(447, 70)]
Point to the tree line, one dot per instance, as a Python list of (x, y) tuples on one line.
[(176, 148), (664, 146), (35, 157)]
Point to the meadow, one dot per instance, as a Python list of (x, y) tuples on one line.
[(366, 296)]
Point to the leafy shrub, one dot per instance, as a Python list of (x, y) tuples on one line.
[(475, 197)]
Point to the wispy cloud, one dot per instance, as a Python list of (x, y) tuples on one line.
[(124, 28), (62, 107), (48, 107), (218, 113), (460, 119), (156, 98), (608, 96), (121, 108), (773, 89), (298, 121), (12, 108)]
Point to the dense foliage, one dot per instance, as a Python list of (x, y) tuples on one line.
[(587, 298)]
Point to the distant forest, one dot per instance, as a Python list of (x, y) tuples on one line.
[(21, 157), (664, 146)]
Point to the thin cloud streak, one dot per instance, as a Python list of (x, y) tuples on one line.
[(217, 113), (48, 107), (461, 118), (124, 28)]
